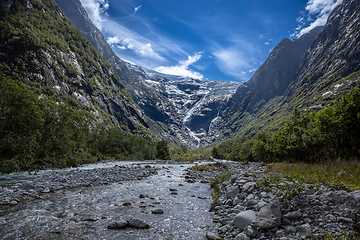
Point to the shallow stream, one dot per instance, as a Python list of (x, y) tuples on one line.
[(85, 213)]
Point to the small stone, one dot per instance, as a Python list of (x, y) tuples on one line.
[(304, 229), (126, 204), (242, 236), (269, 216), (157, 211), (118, 225), (212, 236), (292, 215), (13, 203), (225, 221), (249, 231), (143, 196)]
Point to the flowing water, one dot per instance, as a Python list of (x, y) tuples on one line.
[(85, 213)]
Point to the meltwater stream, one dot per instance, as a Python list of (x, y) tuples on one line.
[(86, 212)]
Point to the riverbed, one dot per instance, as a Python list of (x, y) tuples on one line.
[(86, 212)]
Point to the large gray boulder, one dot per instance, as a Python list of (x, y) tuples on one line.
[(268, 217), (244, 219)]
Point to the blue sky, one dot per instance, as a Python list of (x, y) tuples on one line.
[(212, 39)]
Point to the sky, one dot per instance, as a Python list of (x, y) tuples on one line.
[(210, 39)]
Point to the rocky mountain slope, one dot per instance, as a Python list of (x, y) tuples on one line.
[(331, 67), (328, 69), (42, 50), (194, 103), (169, 102)]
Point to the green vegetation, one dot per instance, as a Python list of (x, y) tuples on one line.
[(36, 132), (183, 154), (41, 50), (339, 174), (329, 134), (215, 185)]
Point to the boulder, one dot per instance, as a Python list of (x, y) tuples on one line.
[(268, 217), (138, 224), (244, 219), (118, 225)]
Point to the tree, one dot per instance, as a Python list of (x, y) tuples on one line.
[(162, 149)]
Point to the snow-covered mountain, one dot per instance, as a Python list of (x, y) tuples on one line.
[(195, 102)]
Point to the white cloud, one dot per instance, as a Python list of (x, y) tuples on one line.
[(183, 68), (96, 10), (137, 8), (114, 40), (236, 59), (317, 13), (147, 51)]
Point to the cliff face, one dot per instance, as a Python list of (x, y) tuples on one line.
[(43, 50), (308, 73), (169, 102), (334, 55), (274, 75)]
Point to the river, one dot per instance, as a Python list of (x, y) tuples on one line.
[(86, 212)]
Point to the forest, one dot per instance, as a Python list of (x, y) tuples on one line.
[(308, 136), (39, 132)]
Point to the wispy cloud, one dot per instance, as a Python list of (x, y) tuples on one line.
[(137, 8), (316, 14), (236, 60), (96, 9), (182, 68)]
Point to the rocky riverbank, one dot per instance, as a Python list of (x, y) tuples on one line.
[(251, 206), (37, 186)]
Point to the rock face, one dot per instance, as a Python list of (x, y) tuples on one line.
[(179, 109), (309, 73), (73, 74), (334, 54)]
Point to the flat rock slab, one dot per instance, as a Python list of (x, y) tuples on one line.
[(138, 224)]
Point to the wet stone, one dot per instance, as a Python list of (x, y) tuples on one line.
[(157, 211), (118, 225)]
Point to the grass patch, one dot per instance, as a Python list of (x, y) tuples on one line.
[(341, 175), (215, 185)]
